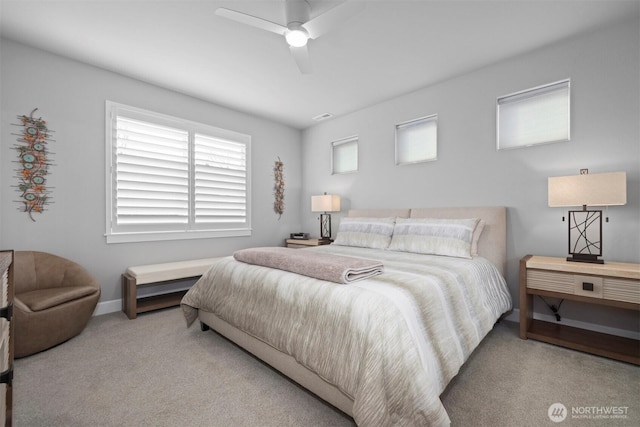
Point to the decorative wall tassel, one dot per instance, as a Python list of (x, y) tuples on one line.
[(33, 155), (278, 187)]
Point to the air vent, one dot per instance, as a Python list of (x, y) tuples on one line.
[(323, 116)]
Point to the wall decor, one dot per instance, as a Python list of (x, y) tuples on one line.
[(278, 188), (34, 161)]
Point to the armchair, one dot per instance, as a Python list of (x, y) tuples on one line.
[(54, 300)]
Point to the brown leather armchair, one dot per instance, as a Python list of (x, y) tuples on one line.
[(54, 300)]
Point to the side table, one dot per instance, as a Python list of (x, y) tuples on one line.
[(305, 243), (613, 284)]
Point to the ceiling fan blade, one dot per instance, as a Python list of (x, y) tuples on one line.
[(253, 21), (301, 56), (332, 18)]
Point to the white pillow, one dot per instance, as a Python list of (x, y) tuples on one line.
[(372, 233), (449, 237)]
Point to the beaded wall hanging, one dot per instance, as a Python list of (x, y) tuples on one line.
[(278, 188), (34, 161)]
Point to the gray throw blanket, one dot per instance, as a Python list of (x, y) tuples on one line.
[(329, 267)]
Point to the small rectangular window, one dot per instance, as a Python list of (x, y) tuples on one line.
[(534, 116), (344, 155), (417, 140), (170, 178)]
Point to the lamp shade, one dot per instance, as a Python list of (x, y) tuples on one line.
[(598, 189), (325, 203)]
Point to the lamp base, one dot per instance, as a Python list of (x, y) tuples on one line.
[(593, 259), (325, 226), (585, 236)]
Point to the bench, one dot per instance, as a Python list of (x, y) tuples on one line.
[(158, 274)]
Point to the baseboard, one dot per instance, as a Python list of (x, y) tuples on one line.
[(515, 317), (107, 307)]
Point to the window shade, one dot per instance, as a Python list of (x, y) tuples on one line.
[(534, 116), (417, 140), (345, 155)]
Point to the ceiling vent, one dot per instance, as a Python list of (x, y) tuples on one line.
[(323, 116)]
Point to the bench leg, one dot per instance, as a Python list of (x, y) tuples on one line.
[(129, 296)]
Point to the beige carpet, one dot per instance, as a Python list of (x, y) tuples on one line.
[(152, 371)]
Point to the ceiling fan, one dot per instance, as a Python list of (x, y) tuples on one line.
[(299, 28)]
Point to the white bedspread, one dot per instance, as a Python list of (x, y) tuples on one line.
[(392, 342)]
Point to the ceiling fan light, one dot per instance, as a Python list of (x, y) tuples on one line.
[(296, 37)]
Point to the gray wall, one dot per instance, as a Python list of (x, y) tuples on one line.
[(603, 66), (71, 96)]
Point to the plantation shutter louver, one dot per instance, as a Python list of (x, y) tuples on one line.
[(220, 181), (152, 174)]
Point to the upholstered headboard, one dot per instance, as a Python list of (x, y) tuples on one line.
[(493, 241)]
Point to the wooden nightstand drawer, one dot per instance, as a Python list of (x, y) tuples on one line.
[(610, 288), (621, 290), (550, 281)]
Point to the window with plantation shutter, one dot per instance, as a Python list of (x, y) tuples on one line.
[(220, 181), (169, 178), (152, 174)]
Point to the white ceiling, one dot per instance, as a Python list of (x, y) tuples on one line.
[(392, 47)]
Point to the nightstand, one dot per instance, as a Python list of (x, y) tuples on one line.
[(613, 284), (305, 243)]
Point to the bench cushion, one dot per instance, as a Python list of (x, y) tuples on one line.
[(153, 273)]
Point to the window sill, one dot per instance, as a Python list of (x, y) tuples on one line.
[(174, 235)]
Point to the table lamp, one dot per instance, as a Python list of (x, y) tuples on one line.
[(585, 226), (325, 203)]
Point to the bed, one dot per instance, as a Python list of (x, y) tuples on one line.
[(381, 349)]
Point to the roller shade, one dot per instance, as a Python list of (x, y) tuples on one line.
[(345, 155), (534, 116)]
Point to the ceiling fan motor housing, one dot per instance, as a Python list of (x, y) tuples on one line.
[(297, 12), (299, 28)]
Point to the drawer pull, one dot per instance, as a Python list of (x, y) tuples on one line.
[(588, 286)]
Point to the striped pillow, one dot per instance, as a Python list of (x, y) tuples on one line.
[(449, 237), (372, 233)]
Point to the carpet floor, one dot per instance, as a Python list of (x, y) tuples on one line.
[(153, 371)]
